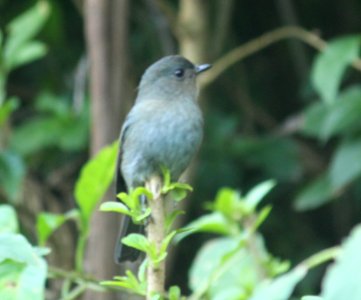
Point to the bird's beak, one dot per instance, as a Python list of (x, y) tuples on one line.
[(202, 68)]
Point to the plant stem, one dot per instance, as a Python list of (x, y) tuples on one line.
[(80, 249), (75, 293), (321, 257), (156, 234)]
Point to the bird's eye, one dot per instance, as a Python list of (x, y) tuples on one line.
[(179, 73)]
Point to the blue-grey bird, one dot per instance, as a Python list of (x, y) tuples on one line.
[(163, 128)]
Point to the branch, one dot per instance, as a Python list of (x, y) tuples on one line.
[(262, 42), (156, 234), (82, 279)]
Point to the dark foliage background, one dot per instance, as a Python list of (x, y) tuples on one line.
[(255, 116)]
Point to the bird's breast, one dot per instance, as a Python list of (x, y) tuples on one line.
[(167, 136)]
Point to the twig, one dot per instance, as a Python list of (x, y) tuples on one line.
[(262, 42), (156, 233), (321, 257), (73, 276)]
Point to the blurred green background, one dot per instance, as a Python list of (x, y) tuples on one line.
[(283, 111)]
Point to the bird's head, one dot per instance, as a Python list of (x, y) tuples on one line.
[(170, 78)]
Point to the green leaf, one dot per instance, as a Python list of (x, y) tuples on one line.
[(311, 298), (139, 218), (342, 279), (228, 203), (261, 217), (167, 240), (179, 191), (8, 219), (166, 179), (115, 207), (12, 172), (47, 102), (213, 223), (129, 282), (156, 296), (7, 108), (174, 293), (344, 166), (132, 200), (142, 271), (330, 65), (22, 29), (22, 270), (314, 118), (32, 136), (95, 178), (69, 131), (315, 194), (222, 265), (47, 223), (343, 114), (137, 241), (137, 193), (280, 288), (255, 195), (170, 218), (16, 248), (28, 53)]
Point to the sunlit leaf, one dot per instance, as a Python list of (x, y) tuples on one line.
[(174, 293), (47, 223), (210, 270), (137, 241), (342, 280), (95, 178), (256, 194), (227, 202), (280, 288), (22, 271), (128, 282), (261, 217), (214, 223), (115, 207), (139, 218), (8, 219)]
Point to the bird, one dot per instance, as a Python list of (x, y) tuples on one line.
[(164, 128)]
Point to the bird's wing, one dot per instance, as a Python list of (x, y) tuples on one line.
[(122, 252), (120, 185)]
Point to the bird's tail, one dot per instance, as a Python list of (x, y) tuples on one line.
[(122, 252)]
